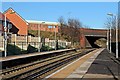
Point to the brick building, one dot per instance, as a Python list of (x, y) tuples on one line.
[(19, 25), (43, 25)]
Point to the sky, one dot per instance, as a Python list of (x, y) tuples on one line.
[(91, 14)]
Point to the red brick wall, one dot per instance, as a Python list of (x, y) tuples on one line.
[(82, 41), (85, 31), (93, 31), (43, 27), (18, 22)]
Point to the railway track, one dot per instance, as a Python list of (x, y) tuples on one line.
[(38, 69), (12, 69)]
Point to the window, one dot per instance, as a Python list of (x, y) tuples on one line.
[(50, 26)]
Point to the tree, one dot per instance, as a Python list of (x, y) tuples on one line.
[(71, 29), (74, 28), (62, 22)]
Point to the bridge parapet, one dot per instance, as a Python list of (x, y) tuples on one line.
[(96, 35), (95, 32)]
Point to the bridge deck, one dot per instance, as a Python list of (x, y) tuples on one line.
[(97, 35)]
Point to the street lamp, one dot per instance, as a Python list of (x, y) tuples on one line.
[(110, 14), (5, 34), (108, 39), (39, 36), (55, 37), (116, 24)]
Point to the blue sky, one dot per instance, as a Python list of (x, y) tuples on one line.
[(92, 14)]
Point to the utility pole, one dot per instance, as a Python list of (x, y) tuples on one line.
[(39, 35), (55, 37), (116, 19), (5, 34), (110, 38), (116, 24), (39, 38), (110, 14), (107, 39), (5, 37)]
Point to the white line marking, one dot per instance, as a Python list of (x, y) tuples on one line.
[(67, 65), (84, 67)]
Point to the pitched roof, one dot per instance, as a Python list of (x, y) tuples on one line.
[(17, 21), (16, 14)]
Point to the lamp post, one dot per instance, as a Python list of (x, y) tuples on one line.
[(116, 19), (110, 14), (39, 36), (55, 37), (5, 34), (116, 24), (5, 38), (108, 39)]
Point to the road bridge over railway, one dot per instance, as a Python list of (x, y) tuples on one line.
[(90, 36)]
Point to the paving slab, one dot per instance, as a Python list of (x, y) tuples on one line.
[(83, 68), (65, 72), (103, 67), (97, 65)]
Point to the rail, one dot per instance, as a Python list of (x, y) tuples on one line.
[(37, 69)]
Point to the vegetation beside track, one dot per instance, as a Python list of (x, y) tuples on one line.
[(15, 50)]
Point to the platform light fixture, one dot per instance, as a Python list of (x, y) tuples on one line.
[(110, 14), (116, 24), (5, 33), (39, 36)]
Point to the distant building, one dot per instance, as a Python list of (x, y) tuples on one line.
[(20, 26), (43, 25)]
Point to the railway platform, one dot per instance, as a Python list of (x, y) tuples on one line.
[(105, 67), (97, 65), (26, 58), (15, 57)]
